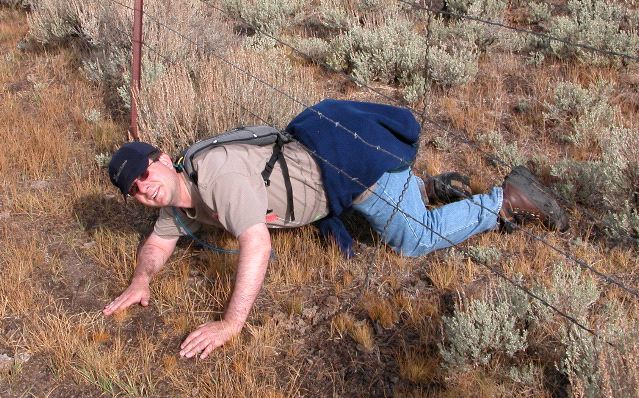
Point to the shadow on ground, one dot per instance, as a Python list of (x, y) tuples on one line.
[(98, 211)]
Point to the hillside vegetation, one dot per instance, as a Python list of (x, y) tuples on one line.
[(445, 325)]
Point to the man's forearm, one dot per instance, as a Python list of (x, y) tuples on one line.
[(145, 269), (255, 249), (151, 257)]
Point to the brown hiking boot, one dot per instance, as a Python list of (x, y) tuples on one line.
[(446, 188), (525, 199)]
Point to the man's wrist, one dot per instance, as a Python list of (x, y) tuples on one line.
[(141, 279), (234, 324)]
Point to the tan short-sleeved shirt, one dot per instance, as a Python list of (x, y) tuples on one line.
[(231, 192)]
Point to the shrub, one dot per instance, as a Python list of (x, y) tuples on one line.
[(474, 336), (102, 160), (387, 53), (395, 52), (268, 16), (597, 23), (538, 12), (475, 32), (16, 3), (49, 21), (499, 325), (314, 47), (607, 182), (609, 179), (569, 291), (339, 16), (334, 17), (623, 223), (508, 153), (484, 329), (581, 111), (593, 367), (484, 254), (92, 115), (453, 66)]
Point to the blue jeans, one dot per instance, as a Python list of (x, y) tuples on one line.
[(444, 226)]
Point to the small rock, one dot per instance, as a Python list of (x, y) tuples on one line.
[(5, 215), (89, 245), (394, 379)]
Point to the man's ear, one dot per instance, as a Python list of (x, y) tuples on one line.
[(166, 160)]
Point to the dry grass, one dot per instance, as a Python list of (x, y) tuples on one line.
[(381, 310), (68, 245), (419, 367), (224, 97)]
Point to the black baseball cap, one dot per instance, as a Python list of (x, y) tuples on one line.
[(128, 163)]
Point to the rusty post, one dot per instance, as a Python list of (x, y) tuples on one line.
[(136, 68)]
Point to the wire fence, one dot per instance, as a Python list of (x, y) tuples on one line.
[(584, 265), (461, 137), (396, 206)]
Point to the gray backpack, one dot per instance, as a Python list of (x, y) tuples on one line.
[(251, 135)]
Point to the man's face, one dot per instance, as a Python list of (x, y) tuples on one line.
[(158, 186)]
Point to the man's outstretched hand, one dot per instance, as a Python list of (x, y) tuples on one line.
[(208, 337), (137, 292)]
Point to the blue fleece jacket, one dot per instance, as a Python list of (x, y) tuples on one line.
[(354, 153)]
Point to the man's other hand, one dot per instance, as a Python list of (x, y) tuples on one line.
[(208, 337), (137, 292)]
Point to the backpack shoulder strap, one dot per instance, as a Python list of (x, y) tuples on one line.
[(253, 135), (278, 156)]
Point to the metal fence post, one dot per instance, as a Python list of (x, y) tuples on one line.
[(136, 68)]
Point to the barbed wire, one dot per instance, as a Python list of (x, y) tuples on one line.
[(459, 136), (397, 209), (522, 30), (395, 206), (581, 263), (439, 126)]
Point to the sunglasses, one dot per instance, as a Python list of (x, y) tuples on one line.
[(142, 177)]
